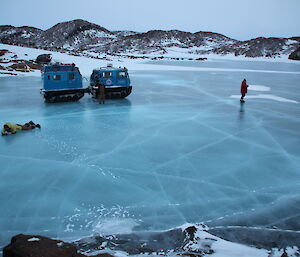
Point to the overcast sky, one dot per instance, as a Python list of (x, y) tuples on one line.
[(239, 19)]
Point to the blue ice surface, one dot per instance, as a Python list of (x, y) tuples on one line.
[(178, 149)]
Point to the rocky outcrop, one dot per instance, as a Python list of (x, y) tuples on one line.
[(37, 246), (43, 59), (40, 246), (10, 62), (295, 55), (194, 240), (176, 240), (191, 240)]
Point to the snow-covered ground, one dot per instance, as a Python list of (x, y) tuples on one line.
[(86, 64)]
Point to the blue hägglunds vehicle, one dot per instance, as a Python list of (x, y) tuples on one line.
[(62, 83), (115, 81)]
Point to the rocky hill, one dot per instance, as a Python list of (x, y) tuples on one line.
[(76, 34), (24, 36), (80, 36), (261, 47), (295, 55)]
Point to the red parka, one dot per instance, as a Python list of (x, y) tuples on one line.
[(244, 87)]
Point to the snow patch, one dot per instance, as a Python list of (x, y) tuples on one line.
[(33, 239), (259, 88), (98, 34), (223, 248), (115, 226), (60, 244)]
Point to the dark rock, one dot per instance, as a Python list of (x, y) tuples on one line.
[(34, 66), (9, 73), (190, 231), (295, 55), (37, 246), (4, 61), (40, 246), (43, 59), (284, 254), (3, 52), (103, 255)]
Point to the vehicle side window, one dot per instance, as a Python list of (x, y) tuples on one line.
[(122, 74), (107, 74), (71, 76), (56, 77)]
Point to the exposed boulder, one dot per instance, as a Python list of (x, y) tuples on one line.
[(37, 246), (295, 55), (3, 52), (40, 246), (43, 59)]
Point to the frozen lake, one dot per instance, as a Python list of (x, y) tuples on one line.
[(179, 149)]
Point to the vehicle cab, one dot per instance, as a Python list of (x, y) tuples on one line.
[(115, 80)]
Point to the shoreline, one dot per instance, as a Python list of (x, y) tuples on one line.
[(188, 239), (132, 62)]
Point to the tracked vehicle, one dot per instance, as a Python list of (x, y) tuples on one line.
[(62, 83), (115, 81)]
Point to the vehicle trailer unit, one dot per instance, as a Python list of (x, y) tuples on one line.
[(62, 83)]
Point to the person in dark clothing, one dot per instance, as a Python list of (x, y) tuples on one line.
[(244, 88), (101, 95)]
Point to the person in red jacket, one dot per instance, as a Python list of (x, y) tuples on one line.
[(244, 87)]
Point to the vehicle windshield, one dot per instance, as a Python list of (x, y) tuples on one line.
[(122, 74)]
